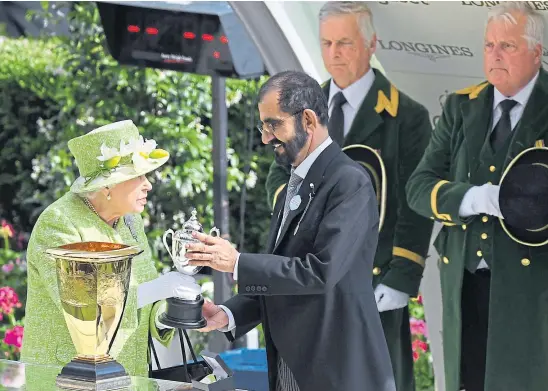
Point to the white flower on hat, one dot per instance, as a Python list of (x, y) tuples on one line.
[(140, 151), (109, 156)]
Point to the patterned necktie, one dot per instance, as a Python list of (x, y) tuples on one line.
[(504, 126), (336, 120), (292, 187)]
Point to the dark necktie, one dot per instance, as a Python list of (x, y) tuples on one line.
[(336, 120), (504, 126)]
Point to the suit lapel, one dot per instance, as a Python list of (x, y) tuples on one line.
[(315, 177), (476, 114), (276, 220), (367, 120), (532, 125)]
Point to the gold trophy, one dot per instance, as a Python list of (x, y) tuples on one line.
[(93, 280)]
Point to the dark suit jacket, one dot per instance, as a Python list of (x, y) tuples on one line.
[(312, 291)]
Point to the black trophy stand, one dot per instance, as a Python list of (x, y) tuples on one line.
[(183, 315)]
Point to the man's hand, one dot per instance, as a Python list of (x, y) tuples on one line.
[(212, 251), (389, 299), (215, 316)]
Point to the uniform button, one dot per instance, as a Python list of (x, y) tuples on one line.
[(479, 253), (492, 168), (464, 227), (445, 260), (525, 262), (247, 288), (485, 219), (376, 271), (484, 236)]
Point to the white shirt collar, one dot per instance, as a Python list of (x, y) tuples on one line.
[(303, 168), (521, 97), (355, 93)]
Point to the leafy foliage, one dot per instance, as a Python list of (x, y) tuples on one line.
[(56, 88)]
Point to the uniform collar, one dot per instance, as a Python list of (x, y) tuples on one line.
[(355, 92), (521, 97)]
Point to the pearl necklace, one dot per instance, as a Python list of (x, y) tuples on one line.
[(90, 205)]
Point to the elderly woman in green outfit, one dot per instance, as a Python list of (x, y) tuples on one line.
[(104, 204)]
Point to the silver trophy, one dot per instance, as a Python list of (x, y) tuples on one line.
[(184, 313)]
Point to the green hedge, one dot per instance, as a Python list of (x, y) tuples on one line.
[(54, 89)]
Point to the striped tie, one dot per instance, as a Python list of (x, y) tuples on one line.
[(286, 381)]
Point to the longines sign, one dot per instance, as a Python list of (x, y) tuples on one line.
[(428, 50), (538, 5)]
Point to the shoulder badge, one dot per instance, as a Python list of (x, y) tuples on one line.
[(390, 105), (472, 91)]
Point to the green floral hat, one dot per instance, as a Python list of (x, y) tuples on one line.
[(113, 154)]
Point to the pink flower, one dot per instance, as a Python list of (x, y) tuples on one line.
[(14, 337), (415, 356), (8, 300), (420, 345), (7, 229), (419, 299), (418, 327), (7, 267)]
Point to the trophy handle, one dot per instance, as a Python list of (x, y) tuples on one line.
[(215, 231), (169, 231)]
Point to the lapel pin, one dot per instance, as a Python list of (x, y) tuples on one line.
[(295, 202)]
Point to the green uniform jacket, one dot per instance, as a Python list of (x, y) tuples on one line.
[(399, 129), (455, 160), (47, 339)]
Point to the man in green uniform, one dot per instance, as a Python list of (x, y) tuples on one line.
[(495, 290), (365, 108)]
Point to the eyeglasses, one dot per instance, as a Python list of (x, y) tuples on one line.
[(270, 127)]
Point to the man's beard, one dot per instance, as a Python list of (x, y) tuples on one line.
[(291, 148)]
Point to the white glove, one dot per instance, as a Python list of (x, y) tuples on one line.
[(481, 199), (390, 299), (172, 284)]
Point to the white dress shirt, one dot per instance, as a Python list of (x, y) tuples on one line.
[(302, 171), (480, 199), (355, 93)]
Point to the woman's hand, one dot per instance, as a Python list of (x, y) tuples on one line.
[(172, 284)]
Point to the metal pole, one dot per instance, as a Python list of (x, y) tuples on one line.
[(222, 292)]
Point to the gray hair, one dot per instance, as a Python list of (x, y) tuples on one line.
[(360, 8), (90, 195), (534, 29)]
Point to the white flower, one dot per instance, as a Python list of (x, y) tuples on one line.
[(107, 153), (139, 149)]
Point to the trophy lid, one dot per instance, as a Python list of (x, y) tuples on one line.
[(192, 224), (94, 251)]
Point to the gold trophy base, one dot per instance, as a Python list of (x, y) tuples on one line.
[(90, 375)]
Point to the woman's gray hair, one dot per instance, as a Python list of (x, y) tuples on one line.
[(90, 195), (534, 28), (360, 8)]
